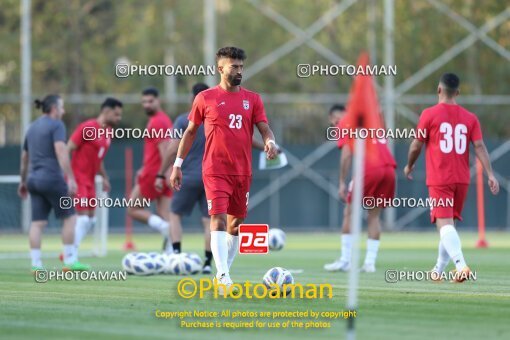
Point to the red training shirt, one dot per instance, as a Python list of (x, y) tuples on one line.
[(228, 119), (449, 130)]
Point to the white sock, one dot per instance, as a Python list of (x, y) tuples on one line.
[(442, 258), (232, 245), (81, 228), (219, 249), (70, 255), (35, 255), (372, 249), (92, 222), (346, 248), (451, 242), (169, 249), (159, 224)]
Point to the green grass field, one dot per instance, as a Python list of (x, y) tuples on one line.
[(126, 309)]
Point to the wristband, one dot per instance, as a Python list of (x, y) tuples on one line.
[(178, 162), (160, 176), (271, 141)]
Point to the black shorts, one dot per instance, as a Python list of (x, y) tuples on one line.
[(184, 200), (46, 195)]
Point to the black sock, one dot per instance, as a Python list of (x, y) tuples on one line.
[(177, 247), (208, 258)]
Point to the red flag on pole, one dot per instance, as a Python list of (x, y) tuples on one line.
[(363, 109)]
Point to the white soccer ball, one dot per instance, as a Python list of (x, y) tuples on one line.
[(276, 239), (197, 260), (143, 264), (128, 261), (279, 276), (159, 262), (184, 264), (169, 262)]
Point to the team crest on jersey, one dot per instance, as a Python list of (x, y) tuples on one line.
[(209, 204), (246, 104)]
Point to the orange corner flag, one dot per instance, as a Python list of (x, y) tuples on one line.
[(363, 108)]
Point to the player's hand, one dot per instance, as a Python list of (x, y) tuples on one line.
[(72, 187), (408, 170), (22, 190), (493, 185), (106, 185), (176, 178), (158, 184), (271, 150), (342, 191)]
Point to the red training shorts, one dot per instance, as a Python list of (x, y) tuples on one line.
[(147, 189), (227, 194), (442, 196), (85, 192), (378, 183)]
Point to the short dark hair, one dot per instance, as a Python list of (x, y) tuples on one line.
[(230, 52), (151, 91), (336, 107), (46, 104), (451, 83), (198, 87), (112, 103)]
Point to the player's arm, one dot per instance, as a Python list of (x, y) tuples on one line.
[(187, 140), (63, 161), (71, 147), (168, 158), (270, 147), (22, 188), (483, 156), (106, 179), (412, 156), (345, 165), (256, 144)]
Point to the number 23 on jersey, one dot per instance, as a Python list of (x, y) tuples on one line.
[(236, 121)]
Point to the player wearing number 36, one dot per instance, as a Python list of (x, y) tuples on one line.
[(229, 113), (450, 129)]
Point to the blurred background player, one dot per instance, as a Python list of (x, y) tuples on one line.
[(154, 148), (192, 190), (228, 113), (449, 127), (46, 161), (88, 152), (379, 182)]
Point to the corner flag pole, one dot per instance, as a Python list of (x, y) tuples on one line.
[(128, 156), (482, 242), (358, 169)]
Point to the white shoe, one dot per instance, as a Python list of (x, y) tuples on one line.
[(223, 280), (337, 266), (206, 270), (368, 268)]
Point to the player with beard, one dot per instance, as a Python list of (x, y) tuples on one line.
[(153, 150), (229, 113), (87, 161)]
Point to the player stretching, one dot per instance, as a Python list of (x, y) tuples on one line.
[(449, 128), (88, 152), (45, 159), (154, 149), (228, 112), (379, 182)]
